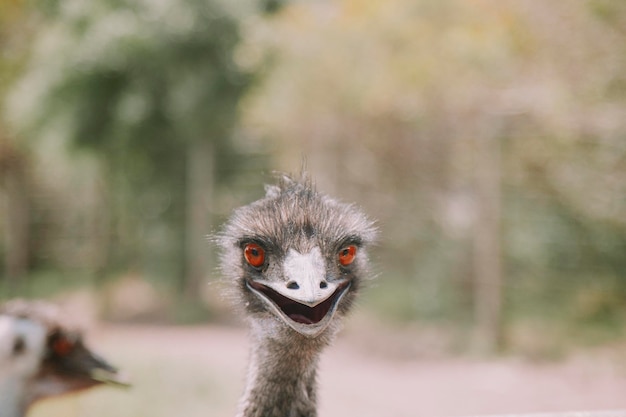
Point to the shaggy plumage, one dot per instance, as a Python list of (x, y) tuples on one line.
[(42, 354), (297, 258)]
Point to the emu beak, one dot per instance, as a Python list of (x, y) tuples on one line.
[(110, 377), (305, 301), (82, 361)]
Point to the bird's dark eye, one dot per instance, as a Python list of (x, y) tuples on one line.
[(254, 254), (62, 346), (19, 345), (347, 255)]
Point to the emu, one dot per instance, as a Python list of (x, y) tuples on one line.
[(43, 355), (297, 259)]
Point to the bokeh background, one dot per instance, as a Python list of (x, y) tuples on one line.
[(487, 137)]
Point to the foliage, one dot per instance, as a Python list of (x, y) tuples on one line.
[(136, 78), (138, 84)]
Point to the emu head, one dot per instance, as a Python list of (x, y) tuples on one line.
[(42, 355), (298, 256)]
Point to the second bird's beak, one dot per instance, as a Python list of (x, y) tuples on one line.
[(82, 362), (110, 376)]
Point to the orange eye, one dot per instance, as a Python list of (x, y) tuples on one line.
[(62, 346), (254, 254), (347, 255)]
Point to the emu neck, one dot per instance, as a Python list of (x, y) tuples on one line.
[(12, 401), (281, 374)]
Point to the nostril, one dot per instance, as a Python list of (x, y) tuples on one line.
[(293, 285), (323, 284)]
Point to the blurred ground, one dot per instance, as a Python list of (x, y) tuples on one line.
[(199, 371)]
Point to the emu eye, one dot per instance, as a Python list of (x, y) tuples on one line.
[(346, 255), (19, 345), (254, 254), (62, 346)]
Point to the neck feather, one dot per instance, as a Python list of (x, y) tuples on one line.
[(12, 401), (281, 373)]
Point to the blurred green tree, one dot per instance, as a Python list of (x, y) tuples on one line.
[(152, 89), (14, 161)]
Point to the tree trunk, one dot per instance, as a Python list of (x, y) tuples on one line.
[(17, 227), (200, 177), (487, 254), (102, 228)]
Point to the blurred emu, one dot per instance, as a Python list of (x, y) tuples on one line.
[(43, 355)]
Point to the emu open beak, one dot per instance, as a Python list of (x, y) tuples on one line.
[(305, 301)]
